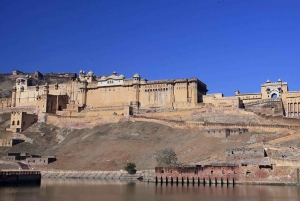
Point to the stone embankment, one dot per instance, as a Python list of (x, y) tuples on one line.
[(146, 175), (203, 125)]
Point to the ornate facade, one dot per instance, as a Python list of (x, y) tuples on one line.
[(275, 97), (116, 91)]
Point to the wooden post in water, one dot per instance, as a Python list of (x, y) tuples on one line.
[(298, 176)]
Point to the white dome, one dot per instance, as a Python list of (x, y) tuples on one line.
[(91, 73), (136, 75)]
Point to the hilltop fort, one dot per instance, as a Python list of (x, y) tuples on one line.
[(102, 122), (75, 93)]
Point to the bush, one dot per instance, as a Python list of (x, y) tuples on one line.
[(130, 168), (166, 157)]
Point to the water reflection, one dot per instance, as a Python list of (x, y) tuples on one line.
[(237, 192), (116, 190)]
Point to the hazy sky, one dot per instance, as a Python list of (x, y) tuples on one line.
[(228, 44)]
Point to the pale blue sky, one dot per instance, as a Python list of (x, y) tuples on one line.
[(228, 44)]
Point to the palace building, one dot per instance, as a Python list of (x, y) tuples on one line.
[(108, 91), (115, 91)]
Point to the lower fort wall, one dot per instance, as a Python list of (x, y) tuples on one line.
[(262, 174), (244, 153), (256, 174), (285, 162), (83, 121), (9, 142), (207, 174), (5, 102)]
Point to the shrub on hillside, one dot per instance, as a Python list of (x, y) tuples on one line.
[(130, 168)]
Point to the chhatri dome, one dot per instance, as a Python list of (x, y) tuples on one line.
[(136, 75)]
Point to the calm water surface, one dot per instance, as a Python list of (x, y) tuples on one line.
[(72, 190)]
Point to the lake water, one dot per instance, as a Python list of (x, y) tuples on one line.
[(73, 190)]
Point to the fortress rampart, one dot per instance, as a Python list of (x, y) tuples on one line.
[(88, 90), (226, 174)]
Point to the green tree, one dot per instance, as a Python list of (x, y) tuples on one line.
[(166, 157), (130, 168)]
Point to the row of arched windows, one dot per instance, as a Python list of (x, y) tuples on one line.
[(13, 122), (18, 123)]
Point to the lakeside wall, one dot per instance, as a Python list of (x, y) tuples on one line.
[(220, 174), (147, 175)]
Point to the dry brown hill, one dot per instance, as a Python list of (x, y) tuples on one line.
[(110, 146)]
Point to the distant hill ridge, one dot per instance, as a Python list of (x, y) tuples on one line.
[(7, 80)]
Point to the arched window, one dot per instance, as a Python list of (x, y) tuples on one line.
[(13, 123), (18, 122), (274, 96)]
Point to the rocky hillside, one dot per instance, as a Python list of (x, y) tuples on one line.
[(110, 146)]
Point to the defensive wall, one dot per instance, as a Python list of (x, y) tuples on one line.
[(224, 132), (205, 175), (84, 121), (233, 154), (28, 109), (95, 175), (40, 160), (281, 119), (211, 125), (10, 142), (224, 174), (5, 102), (251, 127), (285, 162), (30, 159), (109, 117), (114, 90)]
